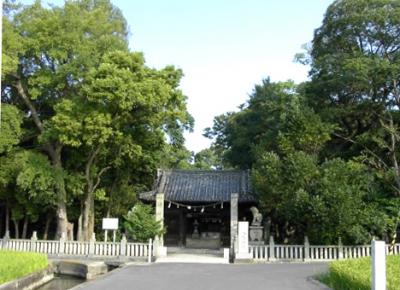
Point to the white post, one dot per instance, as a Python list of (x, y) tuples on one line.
[(340, 249), (123, 245), (5, 240), (61, 249), (378, 265), (149, 252), (105, 236), (33, 241), (271, 248), (91, 244), (306, 249)]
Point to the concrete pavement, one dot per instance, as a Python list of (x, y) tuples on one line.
[(288, 276)]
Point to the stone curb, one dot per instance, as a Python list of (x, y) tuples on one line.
[(30, 281), (84, 284)]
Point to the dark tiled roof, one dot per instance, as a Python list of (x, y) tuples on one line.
[(201, 185)]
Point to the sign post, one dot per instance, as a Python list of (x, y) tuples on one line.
[(109, 224)]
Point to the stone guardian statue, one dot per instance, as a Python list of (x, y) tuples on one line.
[(257, 216)]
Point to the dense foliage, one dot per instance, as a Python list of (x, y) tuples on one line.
[(15, 265), (324, 154), (86, 122)]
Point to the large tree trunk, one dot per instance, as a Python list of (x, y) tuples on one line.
[(25, 227), (110, 198), (62, 218), (16, 227), (86, 216), (91, 218), (91, 186), (47, 226), (7, 219), (267, 229), (79, 234)]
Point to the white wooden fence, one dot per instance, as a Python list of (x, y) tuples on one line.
[(307, 252), (77, 248)]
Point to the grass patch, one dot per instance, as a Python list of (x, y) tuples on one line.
[(355, 274), (14, 265)]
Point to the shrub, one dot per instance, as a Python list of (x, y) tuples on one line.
[(141, 225)]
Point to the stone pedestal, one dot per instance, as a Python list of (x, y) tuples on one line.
[(256, 235)]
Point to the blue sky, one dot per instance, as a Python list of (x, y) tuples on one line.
[(223, 47)]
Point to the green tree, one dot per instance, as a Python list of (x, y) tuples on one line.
[(27, 187), (355, 83), (46, 67), (207, 159), (323, 201), (274, 119), (123, 115), (355, 80), (141, 225)]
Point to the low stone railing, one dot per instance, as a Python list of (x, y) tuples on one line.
[(92, 248), (307, 252)]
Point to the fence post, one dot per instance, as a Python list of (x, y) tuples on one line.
[(123, 245), (91, 244), (340, 249), (149, 252), (33, 241), (306, 249), (271, 248), (4, 243), (61, 249), (378, 265)]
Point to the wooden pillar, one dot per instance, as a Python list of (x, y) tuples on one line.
[(181, 228), (234, 224)]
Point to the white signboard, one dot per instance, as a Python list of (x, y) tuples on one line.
[(110, 224), (243, 237)]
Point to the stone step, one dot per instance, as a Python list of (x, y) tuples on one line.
[(193, 258), (177, 250)]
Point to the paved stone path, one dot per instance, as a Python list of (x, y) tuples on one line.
[(293, 276)]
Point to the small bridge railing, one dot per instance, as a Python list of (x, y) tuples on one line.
[(77, 248)]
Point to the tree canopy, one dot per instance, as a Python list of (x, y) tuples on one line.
[(93, 110), (324, 154), (86, 123)]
